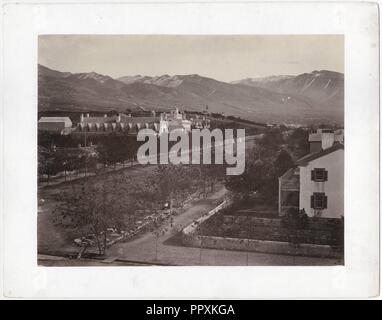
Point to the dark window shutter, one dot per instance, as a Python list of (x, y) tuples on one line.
[(312, 175), (325, 175), (312, 202), (325, 202)]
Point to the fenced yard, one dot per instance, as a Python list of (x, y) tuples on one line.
[(318, 231)]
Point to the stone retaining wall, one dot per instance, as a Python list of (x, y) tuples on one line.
[(191, 238), (274, 247)]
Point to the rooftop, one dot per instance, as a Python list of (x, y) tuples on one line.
[(99, 119), (54, 119), (290, 180), (312, 156)]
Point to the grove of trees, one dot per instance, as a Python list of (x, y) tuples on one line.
[(61, 154), (268, 161)]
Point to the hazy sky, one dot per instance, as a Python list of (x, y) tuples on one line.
[(224, 58)]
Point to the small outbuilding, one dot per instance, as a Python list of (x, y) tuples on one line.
[(54, 124)]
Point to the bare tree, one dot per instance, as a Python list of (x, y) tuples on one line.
[(160, 225), (95, 207)]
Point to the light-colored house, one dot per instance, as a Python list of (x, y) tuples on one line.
[(316, 183), (322, 182), (54, 124)]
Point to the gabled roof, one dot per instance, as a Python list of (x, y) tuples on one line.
[(312, 156), (290, 180), (141, 120), (54, 119)]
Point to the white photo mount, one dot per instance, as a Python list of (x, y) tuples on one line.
[(24, 22)]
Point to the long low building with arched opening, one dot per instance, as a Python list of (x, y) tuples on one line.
[(126, 124)]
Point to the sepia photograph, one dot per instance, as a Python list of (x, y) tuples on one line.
[(190, 150)]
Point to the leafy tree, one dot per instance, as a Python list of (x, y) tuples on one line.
[(108, 150), (47, 162), (298, 142), (243, 184), (294, 220), (209, 175), (46, 139), (258, 177), (113, 149), (270, 143), (266, 182), (283, 162), (172, 179), (130, 147)]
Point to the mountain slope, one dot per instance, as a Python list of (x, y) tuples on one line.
[(92, 91), (324, 89), (78, 91)]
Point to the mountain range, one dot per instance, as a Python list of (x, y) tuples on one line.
[(309, 97)]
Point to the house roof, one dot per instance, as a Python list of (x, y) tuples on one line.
[(99, 119), (141, 120), (312, 156), (124, 119), (290, 180), (315, 137), (54, 119)]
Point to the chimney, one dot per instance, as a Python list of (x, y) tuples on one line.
[(327, 140), (81, 118), (87, 115), (105, 115)]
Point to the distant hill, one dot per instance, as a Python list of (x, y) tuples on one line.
[(91, 91)]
